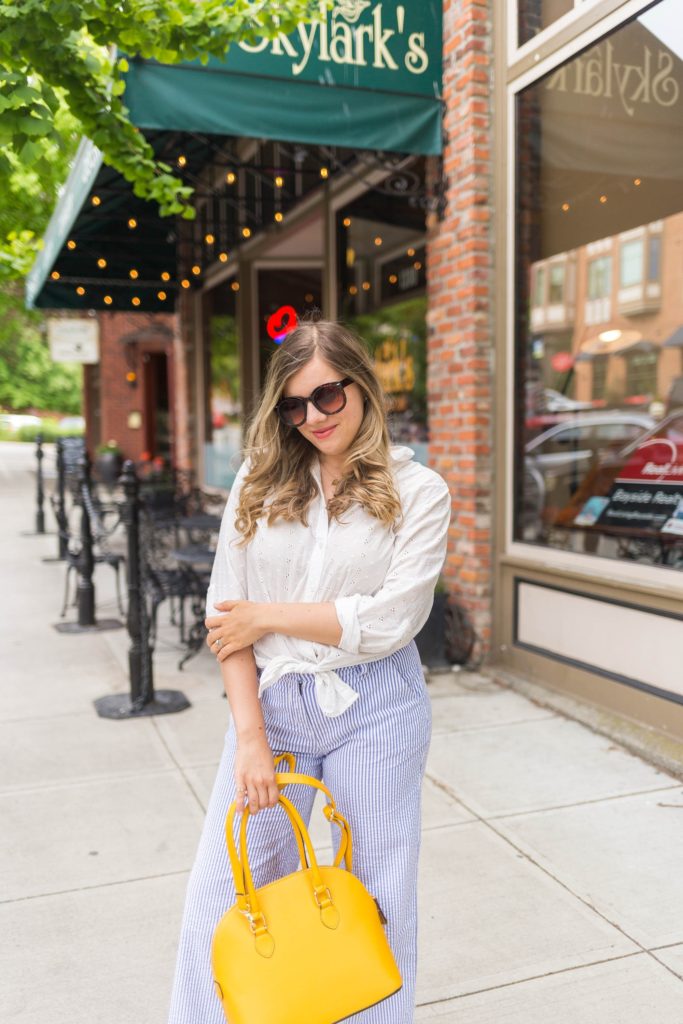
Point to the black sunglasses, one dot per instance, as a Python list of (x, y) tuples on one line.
[(327, 399)]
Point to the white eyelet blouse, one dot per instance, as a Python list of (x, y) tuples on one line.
[(381, 581)]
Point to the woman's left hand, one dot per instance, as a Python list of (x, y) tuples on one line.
[(239, 628)]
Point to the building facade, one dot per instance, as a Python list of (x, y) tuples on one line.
[(514, 257)]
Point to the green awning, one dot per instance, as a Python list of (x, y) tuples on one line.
[(197, 99), (368, 76)]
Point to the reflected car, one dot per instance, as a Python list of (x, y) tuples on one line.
[(557, 461), (598, 481)]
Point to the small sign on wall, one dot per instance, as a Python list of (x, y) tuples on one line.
[(74, 340)]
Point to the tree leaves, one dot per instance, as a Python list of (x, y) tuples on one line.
[(59, 54)]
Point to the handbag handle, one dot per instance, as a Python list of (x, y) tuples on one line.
[(248, 901), (345, 850), (282, 779)]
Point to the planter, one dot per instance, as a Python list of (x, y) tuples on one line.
[(108, 466), (431, 640)]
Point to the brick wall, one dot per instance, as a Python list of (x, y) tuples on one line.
[(117, 397), (460, 317)]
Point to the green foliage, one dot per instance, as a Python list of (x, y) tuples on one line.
[(28, 377), (58, 55), (49, 430), (225, 359), (407, 320)]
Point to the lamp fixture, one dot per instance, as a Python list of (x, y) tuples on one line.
[(279, 181), (132, 223), (184, 283), (182, 160), (565, 207), (71, 244), (324, 173), (353, 290), (209, 239), (161, 296), (235, 286), (223, 257), (393, 279), (417, 265), (410, 252), (196, 270), (80, 290), (246, 232), (108, 300), (366, 286), (135, 300), (96, 200), (132, 273), (279, 216), (603, 198), (101, 263), (347, 222), (165, 276), (55, 275), (230, 178), (637, 181), (378, 240)]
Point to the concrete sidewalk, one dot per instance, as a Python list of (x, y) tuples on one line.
[(551, 883)]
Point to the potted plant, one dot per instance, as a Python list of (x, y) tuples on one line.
[(431, 638), (448, 636), (108, 463)]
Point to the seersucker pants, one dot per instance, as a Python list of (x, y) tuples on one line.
[(372, 758)]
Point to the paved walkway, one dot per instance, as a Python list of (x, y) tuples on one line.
[(551, 887)]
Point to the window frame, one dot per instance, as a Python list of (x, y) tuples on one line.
[(553, 47)]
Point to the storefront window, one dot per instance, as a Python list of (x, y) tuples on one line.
[(382, 295), (599, 434)]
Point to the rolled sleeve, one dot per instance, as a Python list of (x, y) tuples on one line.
[(229, 573), (379, 624)]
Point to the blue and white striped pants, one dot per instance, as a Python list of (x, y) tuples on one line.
[(372, 758)]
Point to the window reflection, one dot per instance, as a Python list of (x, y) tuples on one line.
[(600, 298), (535, 15)]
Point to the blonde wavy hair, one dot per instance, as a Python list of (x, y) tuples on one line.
[(279, 483)]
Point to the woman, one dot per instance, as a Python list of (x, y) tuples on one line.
[(329, 550)]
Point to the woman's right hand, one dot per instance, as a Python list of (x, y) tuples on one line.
[(255, 774)]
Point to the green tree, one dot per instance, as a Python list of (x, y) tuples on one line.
[(60, 55), (28, 377)]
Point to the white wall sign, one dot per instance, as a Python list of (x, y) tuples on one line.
[(74, 340)]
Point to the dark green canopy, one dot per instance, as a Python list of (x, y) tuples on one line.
[(366, 76)]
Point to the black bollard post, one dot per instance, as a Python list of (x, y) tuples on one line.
[(139, 652), (142, 699), (61, 505), (86, 560), (40, 514)]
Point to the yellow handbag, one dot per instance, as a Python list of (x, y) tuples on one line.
[(309, 948)]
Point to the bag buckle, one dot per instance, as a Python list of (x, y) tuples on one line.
[(326, 902), (257, 922)]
